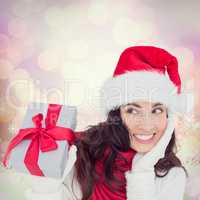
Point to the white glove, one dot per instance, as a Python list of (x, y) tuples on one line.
[(141, 179), (45, 188)]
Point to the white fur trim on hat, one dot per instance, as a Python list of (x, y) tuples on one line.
[(142, 85)]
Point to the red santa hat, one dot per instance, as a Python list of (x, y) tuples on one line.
[(145, 73)]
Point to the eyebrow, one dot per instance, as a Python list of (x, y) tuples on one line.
[(138, 106)]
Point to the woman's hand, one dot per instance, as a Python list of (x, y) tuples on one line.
[(51, 188)]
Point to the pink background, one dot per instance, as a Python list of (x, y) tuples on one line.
[(62, 51)]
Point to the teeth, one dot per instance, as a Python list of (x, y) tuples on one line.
[(144, 137)]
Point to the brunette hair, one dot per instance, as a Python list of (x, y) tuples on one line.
[(112, 133)]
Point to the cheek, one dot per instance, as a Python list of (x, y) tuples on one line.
[(131, 123), (127, 119), (161, 125)]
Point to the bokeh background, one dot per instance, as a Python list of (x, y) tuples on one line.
[(62, 51)]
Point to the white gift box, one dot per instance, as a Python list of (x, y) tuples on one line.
[(52, 163)]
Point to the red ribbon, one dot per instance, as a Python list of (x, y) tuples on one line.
[(43, 139)]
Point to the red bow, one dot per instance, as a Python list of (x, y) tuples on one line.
[(43, 139)]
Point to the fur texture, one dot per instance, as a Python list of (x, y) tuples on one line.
[(146, 86)]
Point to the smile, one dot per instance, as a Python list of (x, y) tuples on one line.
[(145, 139)]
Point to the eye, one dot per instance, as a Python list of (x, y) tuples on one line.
[(132, 110), (157, 110)]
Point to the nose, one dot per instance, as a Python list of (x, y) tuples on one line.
[(147, 124)]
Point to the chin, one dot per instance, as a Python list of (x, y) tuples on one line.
[(142, 149)]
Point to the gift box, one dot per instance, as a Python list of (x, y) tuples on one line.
[(42, 143)]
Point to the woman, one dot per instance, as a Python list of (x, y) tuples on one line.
[(132, 155)]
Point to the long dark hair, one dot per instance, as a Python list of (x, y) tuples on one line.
[(112, 133)]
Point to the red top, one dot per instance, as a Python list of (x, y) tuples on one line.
[(101, 189)]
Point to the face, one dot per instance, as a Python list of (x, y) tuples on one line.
[(146, 123)]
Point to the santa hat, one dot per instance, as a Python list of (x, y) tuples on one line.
[(145, 73)]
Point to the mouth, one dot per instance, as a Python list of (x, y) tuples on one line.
[(144, 138)]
